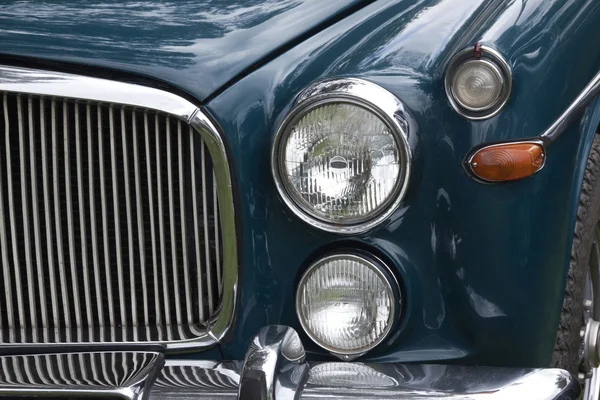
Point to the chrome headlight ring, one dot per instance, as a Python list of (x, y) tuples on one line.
[(363, 95), (495, 65)]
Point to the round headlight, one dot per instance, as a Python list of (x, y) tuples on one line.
[(346, 303), (478, 82), (341, 159)]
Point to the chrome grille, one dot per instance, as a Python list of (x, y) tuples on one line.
[(99, 373), (197, 379), (108, 224), (194, 377)]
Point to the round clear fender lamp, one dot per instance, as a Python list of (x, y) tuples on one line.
[(348, 303), (341, 158), (478, 82)]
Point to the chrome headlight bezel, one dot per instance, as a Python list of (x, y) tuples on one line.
[(491, 58), (360, 93)]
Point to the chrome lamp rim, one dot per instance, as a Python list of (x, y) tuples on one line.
[(85, 88), (490, 56), (382, 270), (372, 97)]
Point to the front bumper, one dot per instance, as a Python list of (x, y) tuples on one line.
[(274, 368)]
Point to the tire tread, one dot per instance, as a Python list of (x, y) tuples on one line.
[(568, 341)]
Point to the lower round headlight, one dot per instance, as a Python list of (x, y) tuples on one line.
[(347, 303), (341, 159)]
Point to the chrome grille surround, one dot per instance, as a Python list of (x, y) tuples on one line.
[(117, 95)]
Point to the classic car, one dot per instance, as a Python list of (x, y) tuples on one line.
[(297, 199)]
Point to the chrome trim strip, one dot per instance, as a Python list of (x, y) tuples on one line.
[(585, 97), (484, 53), (55, 84), (214, 143), (58, 84), (380, 101)]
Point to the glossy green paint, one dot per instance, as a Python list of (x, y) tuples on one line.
[(195, 45), (482, 266)]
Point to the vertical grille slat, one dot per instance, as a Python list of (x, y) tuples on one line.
[(74, 283), (116, 214), (184, 243), (172, 219), (58, 227), (140, 220), (13, 224), (26, 224), (217, 236), (161, 230), (196, 224), (82, 221), (211, 304), (132, 282), (47, 214), (93, 224), (7, 276), (105, 228), (155, 280), (109, 226), (36, 221)]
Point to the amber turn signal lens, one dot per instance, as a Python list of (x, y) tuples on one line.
[(508, 161)]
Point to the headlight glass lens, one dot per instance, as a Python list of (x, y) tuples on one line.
[(477, 85), (346, 304), (340, 162)]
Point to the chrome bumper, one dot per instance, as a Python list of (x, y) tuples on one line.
[(274, 368)]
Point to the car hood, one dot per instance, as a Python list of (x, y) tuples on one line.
[(196, 43)]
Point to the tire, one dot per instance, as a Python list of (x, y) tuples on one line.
[(566, 354)]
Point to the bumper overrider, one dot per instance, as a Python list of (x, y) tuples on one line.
[(274, 368)]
